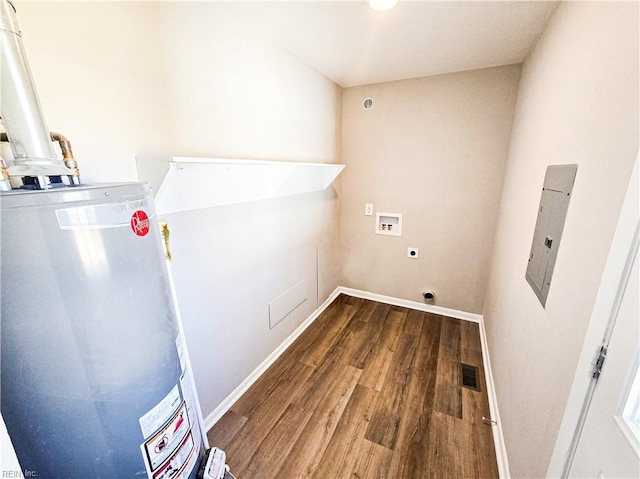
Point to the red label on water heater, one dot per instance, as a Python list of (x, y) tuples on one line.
[(140, 223)]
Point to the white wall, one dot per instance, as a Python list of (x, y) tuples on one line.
[(101, 81), (154, 79), (235, 92), (577, 103), (433, 149)]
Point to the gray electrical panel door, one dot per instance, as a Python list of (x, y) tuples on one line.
[(554, 203)]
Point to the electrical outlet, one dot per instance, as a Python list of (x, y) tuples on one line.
[(368, 209), (413, 252)]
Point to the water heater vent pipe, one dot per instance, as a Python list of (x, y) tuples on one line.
[(20, 108)]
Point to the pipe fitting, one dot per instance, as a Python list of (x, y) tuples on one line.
[(67, 155), (5, 182), (429, 297)]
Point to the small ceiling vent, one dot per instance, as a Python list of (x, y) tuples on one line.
[(367, 104)]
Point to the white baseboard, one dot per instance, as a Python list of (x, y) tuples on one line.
[(498, 438), (226, 404), (429, 308)]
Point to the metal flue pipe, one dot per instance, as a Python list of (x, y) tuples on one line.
[(20, 108)]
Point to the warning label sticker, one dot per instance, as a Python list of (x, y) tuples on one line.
[(161, 413), (182, 461), (168, 439), (192, 461), (189, 398)]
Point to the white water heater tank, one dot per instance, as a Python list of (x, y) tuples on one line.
[(93, 378)]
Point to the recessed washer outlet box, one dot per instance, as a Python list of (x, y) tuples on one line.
[(389, 224)]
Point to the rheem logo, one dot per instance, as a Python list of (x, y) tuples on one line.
[(140, 223)]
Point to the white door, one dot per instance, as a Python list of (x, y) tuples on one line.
[(591, 442), (607, 447), (594, 440)]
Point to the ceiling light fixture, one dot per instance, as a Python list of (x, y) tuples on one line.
[(382, 4)]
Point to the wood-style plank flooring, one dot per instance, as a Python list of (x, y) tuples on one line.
[(369, 390)]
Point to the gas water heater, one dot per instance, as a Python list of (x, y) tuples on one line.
[(95, 380), (93, 365)]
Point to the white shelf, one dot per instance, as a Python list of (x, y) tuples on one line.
[(196, 183)]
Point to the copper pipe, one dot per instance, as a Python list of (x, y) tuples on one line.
[(67, 152), (65, 145)]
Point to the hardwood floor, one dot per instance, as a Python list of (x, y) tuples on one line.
[(369, 390)]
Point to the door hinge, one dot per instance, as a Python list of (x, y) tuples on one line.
[(601, 356)]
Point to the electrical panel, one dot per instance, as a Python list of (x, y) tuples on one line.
[(554, 203)]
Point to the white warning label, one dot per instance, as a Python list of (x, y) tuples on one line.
[(168, 439), (161, 413), (181, 463), (189, 399)]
